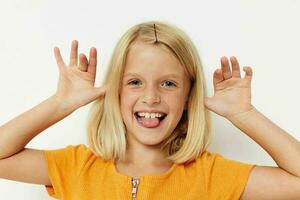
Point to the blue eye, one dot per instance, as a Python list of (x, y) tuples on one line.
[(138, 82), (169, 84), (134, 82)]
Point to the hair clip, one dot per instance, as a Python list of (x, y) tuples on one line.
[(155, 34)]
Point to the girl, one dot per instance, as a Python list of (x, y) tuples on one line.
[(150, 128)]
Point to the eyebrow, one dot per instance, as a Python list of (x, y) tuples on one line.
[(164, 76)]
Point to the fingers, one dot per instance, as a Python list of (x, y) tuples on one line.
[(248, 73), (235, 67), (218, 76), (83, 63), (225, 68), (225, 73), (88, 66), (92, 61), (74, 54), (58, 58)]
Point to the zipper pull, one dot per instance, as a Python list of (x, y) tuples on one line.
[(135, 184)]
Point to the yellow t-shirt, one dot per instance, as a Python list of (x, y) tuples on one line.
[(77, 174)]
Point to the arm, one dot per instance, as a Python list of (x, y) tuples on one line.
[(281, 182), (282, 147), (75, 89), (15, 134), (232, 100)]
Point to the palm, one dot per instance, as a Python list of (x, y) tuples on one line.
[(76, 81), (232, 94)]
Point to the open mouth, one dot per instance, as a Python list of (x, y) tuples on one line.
[(160, 118)]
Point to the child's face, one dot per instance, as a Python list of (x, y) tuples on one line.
[(153, 82)]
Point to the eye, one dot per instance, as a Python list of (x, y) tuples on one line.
[(134, 82), (170, 84)]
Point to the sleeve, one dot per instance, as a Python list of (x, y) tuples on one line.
[(228, 178), (63, 167)]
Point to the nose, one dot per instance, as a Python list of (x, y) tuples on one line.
[(151, 96)]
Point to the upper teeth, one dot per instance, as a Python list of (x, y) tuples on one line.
[(149, 115)]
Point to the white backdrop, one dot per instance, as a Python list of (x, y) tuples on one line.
[(262, 34)]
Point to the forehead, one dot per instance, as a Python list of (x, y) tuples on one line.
[(152, 59)]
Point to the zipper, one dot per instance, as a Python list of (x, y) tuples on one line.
[(135, 184)]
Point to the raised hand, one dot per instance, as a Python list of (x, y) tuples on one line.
[(232, 94), (76, 80)]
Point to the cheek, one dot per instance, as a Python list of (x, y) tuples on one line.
[(127, 100), (176, 100)]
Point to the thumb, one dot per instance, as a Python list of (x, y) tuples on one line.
[(207, 102), (100, 91)]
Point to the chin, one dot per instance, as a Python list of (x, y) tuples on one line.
[(152, 140)]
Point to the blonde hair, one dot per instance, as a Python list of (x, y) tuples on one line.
[(192, 136)]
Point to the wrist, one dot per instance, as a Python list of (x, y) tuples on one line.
[(61, 104), (242, 115)]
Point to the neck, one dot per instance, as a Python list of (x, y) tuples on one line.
[(139, 154)]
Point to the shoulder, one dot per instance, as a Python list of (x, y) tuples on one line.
[(72, 148), (72, 153), (214, 158), (221, 168), (226, 177), (69, 149), (208, 157)]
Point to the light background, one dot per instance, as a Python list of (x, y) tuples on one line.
[(262, 34)]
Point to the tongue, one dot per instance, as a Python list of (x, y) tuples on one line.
[(149, 123)]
